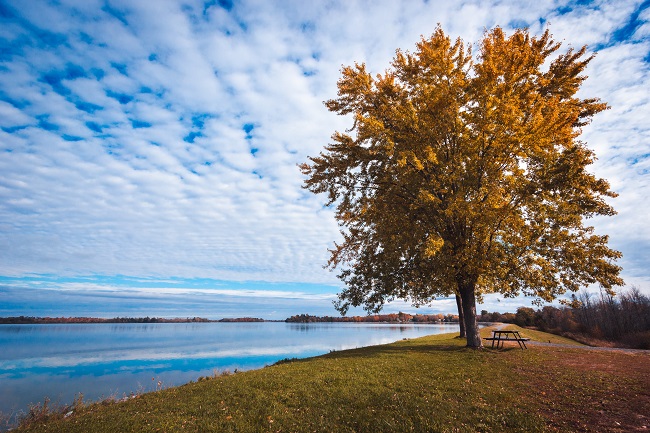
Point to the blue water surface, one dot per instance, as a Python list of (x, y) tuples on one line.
[(100, 361)]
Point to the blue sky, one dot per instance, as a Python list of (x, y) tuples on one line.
[(148, 150)]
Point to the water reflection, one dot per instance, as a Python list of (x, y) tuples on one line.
[(102, 360)]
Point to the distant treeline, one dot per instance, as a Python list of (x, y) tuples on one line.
[(301, 318), (623, 319), (377, 318), (24, 320)]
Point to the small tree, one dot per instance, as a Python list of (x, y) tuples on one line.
[(525, 316), (465, 176)]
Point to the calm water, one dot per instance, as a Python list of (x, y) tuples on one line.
[(113, 360)]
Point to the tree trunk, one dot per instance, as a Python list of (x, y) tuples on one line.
[(468, 301), (461, 316)]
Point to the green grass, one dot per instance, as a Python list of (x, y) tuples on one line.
[(430, 384)]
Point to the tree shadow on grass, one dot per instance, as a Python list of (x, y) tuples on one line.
[(395, 348), (402, 347), (415, 346)]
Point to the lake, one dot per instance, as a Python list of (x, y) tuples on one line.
[(114, 360)]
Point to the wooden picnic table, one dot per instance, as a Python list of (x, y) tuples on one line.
[(502, 336)]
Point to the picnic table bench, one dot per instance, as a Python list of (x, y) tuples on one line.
[(502, 336)]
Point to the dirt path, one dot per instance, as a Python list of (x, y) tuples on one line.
[(584, 347), (501, 326)]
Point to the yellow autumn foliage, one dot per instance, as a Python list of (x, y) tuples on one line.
[(464, 174)]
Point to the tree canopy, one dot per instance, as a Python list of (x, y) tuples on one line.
[(465, 175)]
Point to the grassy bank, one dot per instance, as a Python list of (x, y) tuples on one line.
[(431, 384)]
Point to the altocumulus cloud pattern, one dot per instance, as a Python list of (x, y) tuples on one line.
[(148, 150)]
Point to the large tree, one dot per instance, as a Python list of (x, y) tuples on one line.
[(464, 175)]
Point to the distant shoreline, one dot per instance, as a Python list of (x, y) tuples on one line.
[(303, 318), (28, 320)]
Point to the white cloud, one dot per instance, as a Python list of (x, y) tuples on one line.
[(10, 116), (172, 150)]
